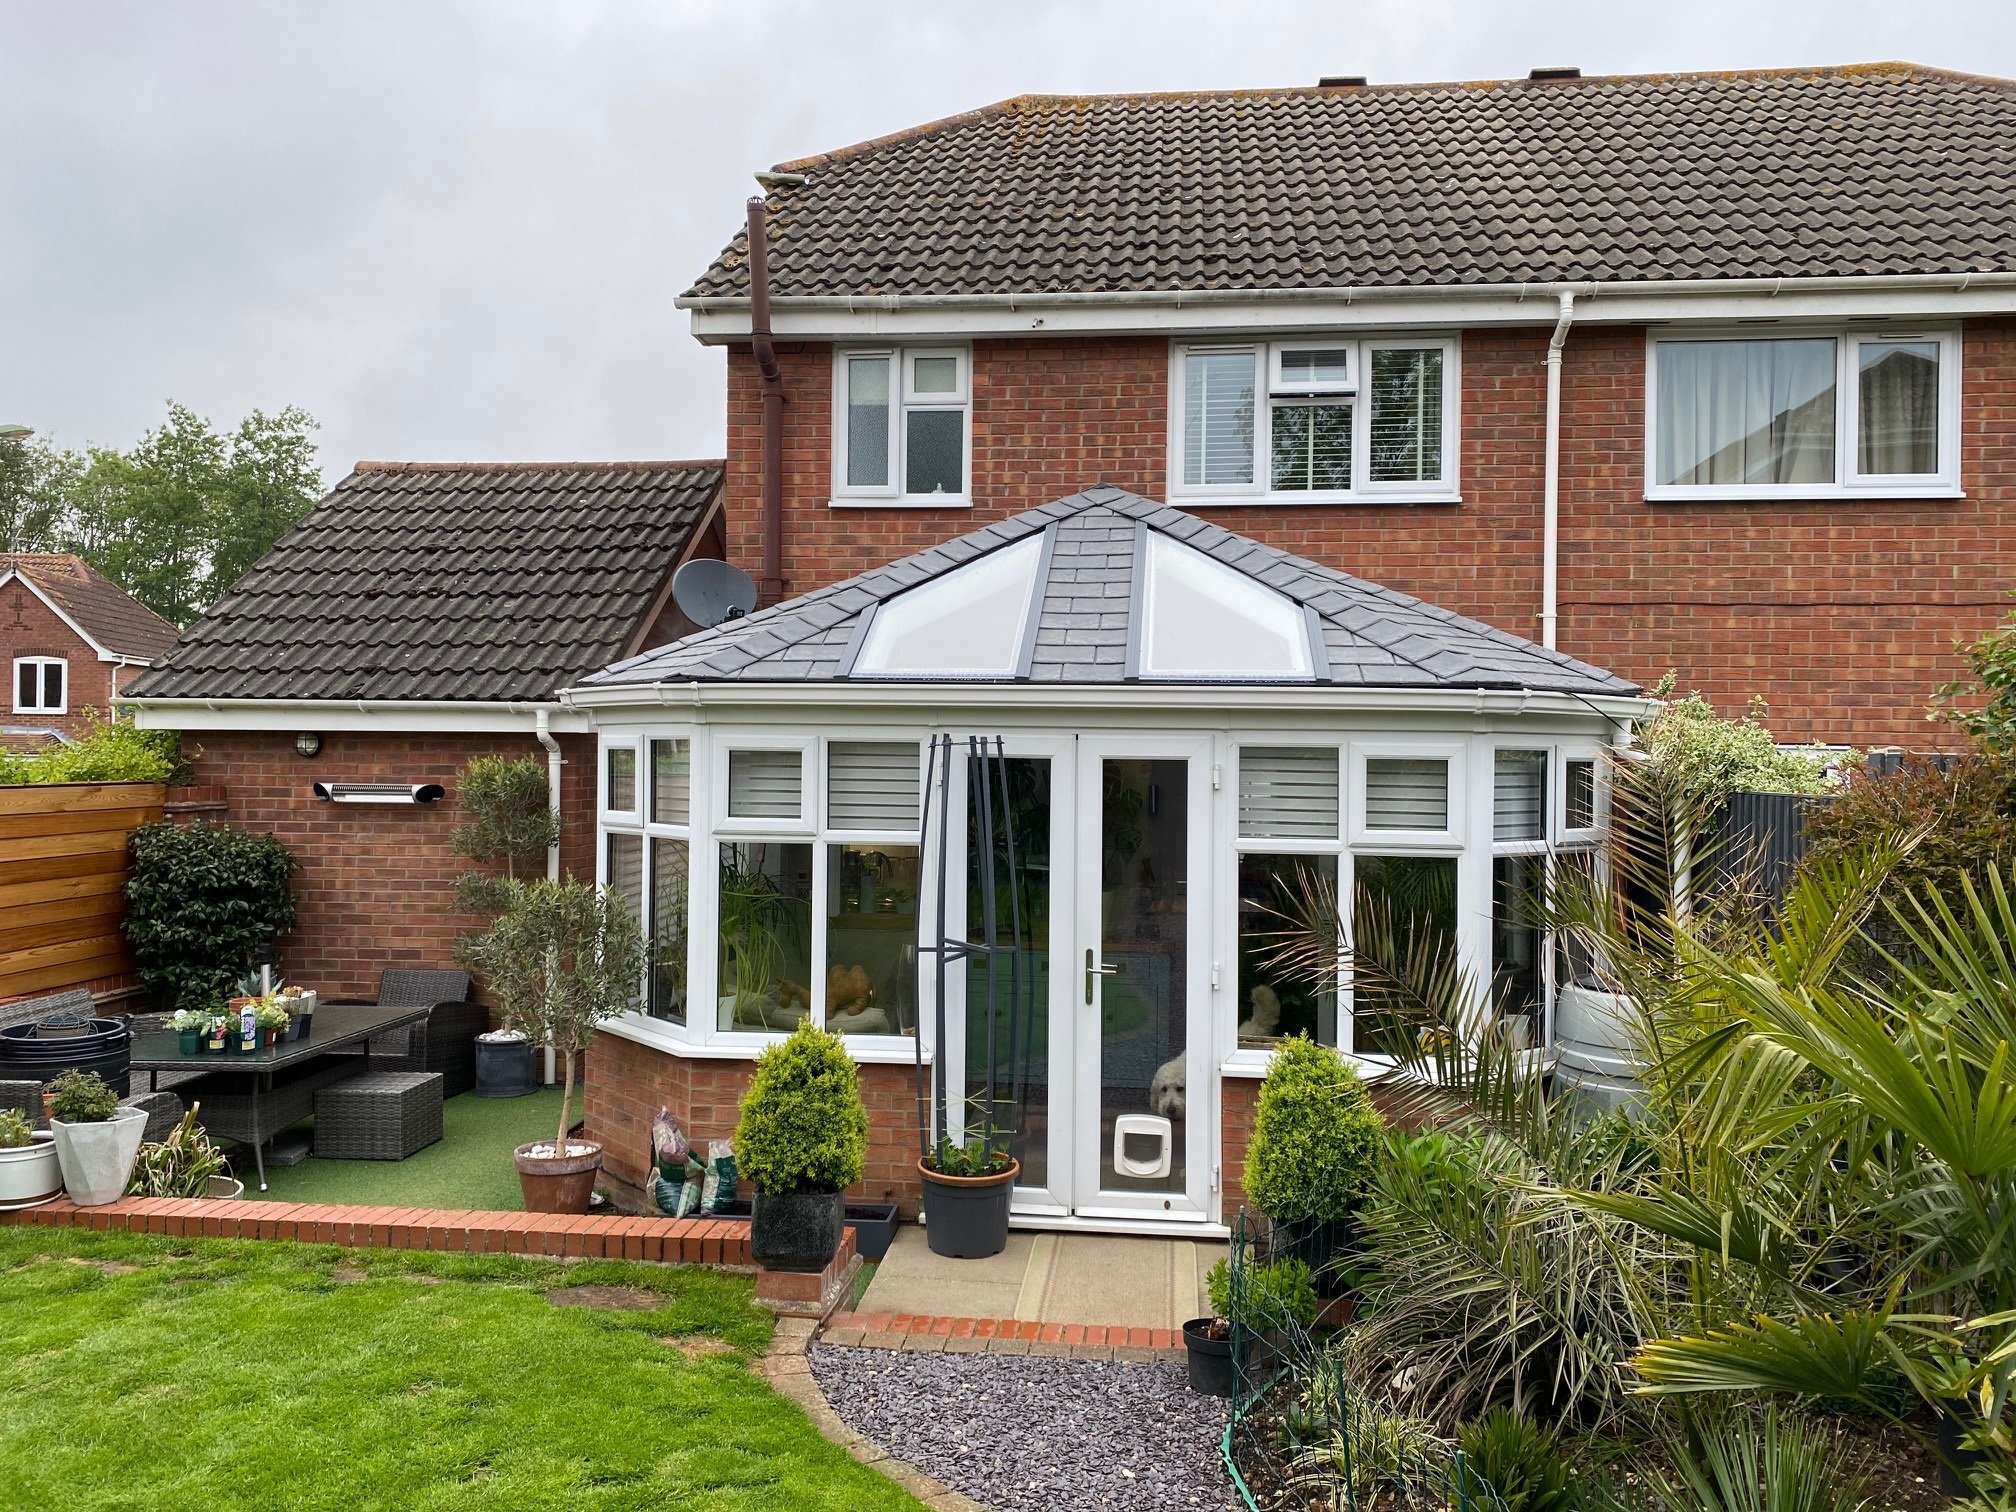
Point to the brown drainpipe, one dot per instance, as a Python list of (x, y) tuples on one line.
[(771, 586)]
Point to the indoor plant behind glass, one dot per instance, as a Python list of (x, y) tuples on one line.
[(29, 1173), (802, 1142), (96, 1139)]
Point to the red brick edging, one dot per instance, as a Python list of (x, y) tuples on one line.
[(679, 1241), (906, 1326)]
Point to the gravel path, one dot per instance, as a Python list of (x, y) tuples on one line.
[(1031, 1432)]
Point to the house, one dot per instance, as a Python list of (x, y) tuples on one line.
[(1289, 484), (71, 639), (420, 616)]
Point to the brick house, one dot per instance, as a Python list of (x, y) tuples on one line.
[(71, 640), (1381, 419)]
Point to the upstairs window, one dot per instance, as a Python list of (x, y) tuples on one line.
[(1806, 415), (1305, 420), (901, 426), (41, 685)]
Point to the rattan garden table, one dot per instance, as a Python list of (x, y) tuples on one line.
[(253, 1097)]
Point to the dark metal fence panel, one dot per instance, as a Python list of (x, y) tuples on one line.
[(1761, 839)]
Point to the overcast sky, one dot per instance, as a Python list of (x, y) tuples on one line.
[(455, 231)]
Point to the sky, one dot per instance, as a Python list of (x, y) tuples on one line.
[(456, 231)]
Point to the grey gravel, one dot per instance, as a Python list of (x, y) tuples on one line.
[(1018, 1432)]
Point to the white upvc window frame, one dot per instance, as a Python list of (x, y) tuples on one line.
[(632, 817), (1409, 842), (41, 664), (1848, 482), (903, 402), (1268, 384)]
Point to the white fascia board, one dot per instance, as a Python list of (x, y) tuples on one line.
[(717, 320), (104, 654), (324, 715)]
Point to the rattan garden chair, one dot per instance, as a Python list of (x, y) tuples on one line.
[(445, 1043)]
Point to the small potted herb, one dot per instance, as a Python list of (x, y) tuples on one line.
[(802, 1142), (29, 1173), (185, 1164), (1274, 1298), (967, 1189), (96, 1139), (190, 1025)]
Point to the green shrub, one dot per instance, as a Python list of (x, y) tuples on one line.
[(508, 822), (112, 750), (1316, 1136), (15, 1130), (1278, 1294), (201, 900), (1967, 815), (803, 1127), (1512, 1465), (1708, 757), (1984, 704), (82, 1097)]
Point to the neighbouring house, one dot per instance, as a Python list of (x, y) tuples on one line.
[(1273, 473), (422, 615), (71, 640)]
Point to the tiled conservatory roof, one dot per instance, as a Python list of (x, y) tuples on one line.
[(1088, 604)]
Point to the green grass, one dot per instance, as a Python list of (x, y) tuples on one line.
[(470, 1167), (215, 1374)]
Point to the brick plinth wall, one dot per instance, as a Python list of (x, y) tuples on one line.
[(1841, 614), (374, 886), (627, 1083)]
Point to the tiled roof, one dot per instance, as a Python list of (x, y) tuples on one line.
[(447, 581), (1373, 636), (106, 612), (1887, 168)]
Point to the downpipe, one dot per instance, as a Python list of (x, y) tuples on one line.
[(1550, 531), (542, 730)]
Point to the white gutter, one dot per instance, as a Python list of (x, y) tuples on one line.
[(542, 731), (1550, 530), (438, 716)]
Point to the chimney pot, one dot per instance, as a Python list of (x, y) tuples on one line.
[(1341, 81), (1545, 75)]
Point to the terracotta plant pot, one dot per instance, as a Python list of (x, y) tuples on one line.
[(966, 1217), (556, 1183), (30, 1175)]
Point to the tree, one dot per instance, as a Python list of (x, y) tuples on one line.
[(38, 483)]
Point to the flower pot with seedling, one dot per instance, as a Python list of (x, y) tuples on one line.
[(967, 1190), (272, 1021), (802, 1142), (96, 1139), (1244, 1339), (29, 1172), (190, 1026)]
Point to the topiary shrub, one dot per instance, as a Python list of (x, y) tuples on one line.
[(508, 822), (1316, 1136), (803, 1127), (200, 901)]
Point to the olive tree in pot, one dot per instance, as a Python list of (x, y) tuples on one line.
[(560, 958), (29, 1173), (802, 1142), (1316, 1140), (96, 1139)]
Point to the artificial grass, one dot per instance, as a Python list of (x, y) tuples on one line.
[(469, 1168), (223, 1374)]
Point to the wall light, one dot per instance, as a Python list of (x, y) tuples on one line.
[(308, 743)]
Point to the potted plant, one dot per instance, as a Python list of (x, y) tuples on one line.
[(190, 1026), (272, 1020), (29, 1173), (504, 1064), (561, 957), (96, 1139), (967, 1188), (1274, 1298), (802, 1142), (185, 1164), (300, 1005), (1316, 1139)]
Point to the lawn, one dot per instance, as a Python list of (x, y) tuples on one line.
[(214, 1374), (470, 1167)]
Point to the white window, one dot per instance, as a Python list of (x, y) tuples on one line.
[(41, 685), (1544, 838), (1803, 415), (901, 426), (645, 858), (1315, 420)]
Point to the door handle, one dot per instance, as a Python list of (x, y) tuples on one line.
[(1092, 970)]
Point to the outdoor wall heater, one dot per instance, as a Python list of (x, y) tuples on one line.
[(379, 792)]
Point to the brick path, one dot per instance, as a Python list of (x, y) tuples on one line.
[(1077, 1341)]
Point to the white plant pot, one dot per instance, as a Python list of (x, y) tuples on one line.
[(31, 1175), (1595, 1044), (97, 1158)]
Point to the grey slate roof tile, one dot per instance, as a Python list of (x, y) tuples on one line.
[(1374, 636), (1884, 168), (478, 582)]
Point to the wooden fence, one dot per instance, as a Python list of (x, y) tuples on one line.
[(62, 868)]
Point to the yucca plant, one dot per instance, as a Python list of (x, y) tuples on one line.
[(1779, 1463)]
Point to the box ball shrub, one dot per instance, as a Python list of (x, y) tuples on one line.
[(200, 901), (1316, 1136), (803, 1127)]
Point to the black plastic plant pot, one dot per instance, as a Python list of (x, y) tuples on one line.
[(796, 1231), (966, 1217), (1953, 1423), (874, 1227), (1211, 1372), (504, 1068)]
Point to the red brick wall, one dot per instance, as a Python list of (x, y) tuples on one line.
[(627, 1083), (374, 885), (1842, 615), (29, 628)]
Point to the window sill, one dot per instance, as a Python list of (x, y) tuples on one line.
[(1310, 500), (910, 501), (1251, 1063), (657, 1034), (1943, 491)]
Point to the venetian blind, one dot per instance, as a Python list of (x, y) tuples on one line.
[(871, 785), (1519, 796), (1287, 792), (764, 785), (1406, 793)]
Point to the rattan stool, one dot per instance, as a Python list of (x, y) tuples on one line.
[(386, 1115)]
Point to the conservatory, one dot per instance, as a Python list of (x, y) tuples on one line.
[(1138, 743)]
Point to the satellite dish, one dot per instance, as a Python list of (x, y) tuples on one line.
[(709, 591)]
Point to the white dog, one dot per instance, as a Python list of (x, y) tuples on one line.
[(1165, 1093)]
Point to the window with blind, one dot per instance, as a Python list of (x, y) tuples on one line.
[(671, 781), (765, 785), (1334, 419), (620, 791), (1519, 795), (871, 785), (1579, 806), (1406, 793), (1288, 792)]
